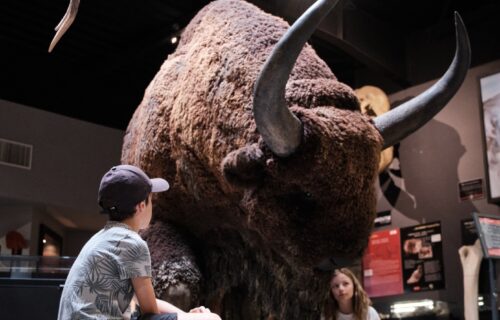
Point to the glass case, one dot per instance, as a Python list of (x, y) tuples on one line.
[(34, 267)]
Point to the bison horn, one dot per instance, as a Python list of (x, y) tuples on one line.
[(65, 23), (280, 128), (397, 124)]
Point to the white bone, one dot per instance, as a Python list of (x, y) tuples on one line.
[(470, 257)]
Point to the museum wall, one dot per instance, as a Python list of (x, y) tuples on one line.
[(433, 161), (68, 159)]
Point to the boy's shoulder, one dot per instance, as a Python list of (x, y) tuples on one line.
[(116, 231)]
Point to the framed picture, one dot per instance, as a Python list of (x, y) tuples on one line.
[(490, 111)]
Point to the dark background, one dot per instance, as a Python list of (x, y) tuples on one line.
[(114, 48)]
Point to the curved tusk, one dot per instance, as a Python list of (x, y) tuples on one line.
[(280, 128), (397, 124), (65, 22)]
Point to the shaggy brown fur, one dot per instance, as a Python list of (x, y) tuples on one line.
[(195, 127), (173, 262)]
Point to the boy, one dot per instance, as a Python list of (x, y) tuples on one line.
[(114, 265)]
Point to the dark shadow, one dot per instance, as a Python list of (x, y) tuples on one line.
[(429, 165)]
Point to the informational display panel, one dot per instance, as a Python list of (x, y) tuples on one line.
[(469, 237), (404, 260), (488, 227), (422, 255), (382, 264), (468, 232), (471, 190)]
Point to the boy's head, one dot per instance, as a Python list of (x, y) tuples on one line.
[(123, 187)]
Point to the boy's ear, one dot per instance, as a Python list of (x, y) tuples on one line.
[(244, 167), (140, 206)]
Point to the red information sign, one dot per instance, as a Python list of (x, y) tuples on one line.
[(382, 275)]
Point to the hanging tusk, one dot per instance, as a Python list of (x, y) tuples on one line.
[(65, 22)]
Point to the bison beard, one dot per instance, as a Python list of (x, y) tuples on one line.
[(253, 224)]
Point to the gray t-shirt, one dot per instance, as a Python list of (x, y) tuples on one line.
[(370, 315), (99, 283)]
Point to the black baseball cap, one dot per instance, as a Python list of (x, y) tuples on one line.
[(124, 186)]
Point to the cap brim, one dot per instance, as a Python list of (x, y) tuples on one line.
[(159, 185)]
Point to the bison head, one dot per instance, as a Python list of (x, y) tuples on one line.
[(260, 139)]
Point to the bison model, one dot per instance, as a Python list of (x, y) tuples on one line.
[(272, 164)]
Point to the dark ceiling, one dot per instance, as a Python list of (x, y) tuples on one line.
[(100, 68)]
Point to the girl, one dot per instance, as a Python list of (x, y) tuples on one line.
[(347, 299)]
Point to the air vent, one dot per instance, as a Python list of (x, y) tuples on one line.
[(15, 154)]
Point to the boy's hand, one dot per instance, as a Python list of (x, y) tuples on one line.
[(200, 309)]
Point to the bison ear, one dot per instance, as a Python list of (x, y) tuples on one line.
[(244, 167)]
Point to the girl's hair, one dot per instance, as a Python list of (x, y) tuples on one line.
[(360, 300)]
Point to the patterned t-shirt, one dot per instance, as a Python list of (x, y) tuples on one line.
[(99, 283)]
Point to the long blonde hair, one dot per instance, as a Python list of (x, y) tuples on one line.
[(360, 300)]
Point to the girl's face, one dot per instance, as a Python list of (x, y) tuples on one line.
[(342, 287)]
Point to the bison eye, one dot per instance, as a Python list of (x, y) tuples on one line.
[(300, 206)]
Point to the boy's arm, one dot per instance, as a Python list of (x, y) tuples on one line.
[(148, 303), (165, 307), (145, 294), (146, 298)]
